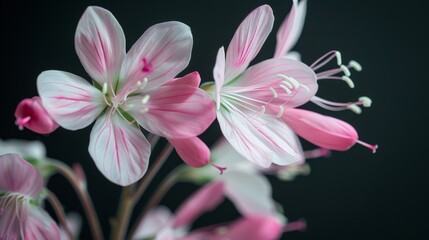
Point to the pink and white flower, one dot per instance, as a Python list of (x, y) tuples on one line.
[(245, 95), (130, 89), (20, 214), (323, 131)]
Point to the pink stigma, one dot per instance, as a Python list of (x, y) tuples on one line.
[(22, 121), (372, 147), (147, 67), (221, 169), (300, 225)]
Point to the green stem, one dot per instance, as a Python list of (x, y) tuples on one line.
[(130, 197), (59, 211), (83, 196)]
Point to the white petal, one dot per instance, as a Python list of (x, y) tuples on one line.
[(260, 139), (161, 53), (100, 44), (119, 149), (250, 193), (70, 100)]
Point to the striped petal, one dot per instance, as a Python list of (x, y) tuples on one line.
[(248, 40), (262, 140), (100, 44), (119, 149), (70, 100)]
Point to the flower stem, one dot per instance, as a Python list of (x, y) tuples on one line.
[(84, 198), (162, 189), (59, 211), (130, 197)]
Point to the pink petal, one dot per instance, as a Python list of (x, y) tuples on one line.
[(153, 222), (10, 226), (192, 79), (162, 52), (250, 192), (255, 228), (261, 140), (31, 114), (219, 74), (291, 28), (259, 81), (323, 131), (19, 176), (173, 111), (100, 44), (119, 149), (39, 225), (248, 40), (205, 199), (70, 100), (193, 151)]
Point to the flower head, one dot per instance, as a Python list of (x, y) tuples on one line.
[(20, 214), (130, 89), (245, 95)]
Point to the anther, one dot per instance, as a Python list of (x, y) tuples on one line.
[(348, 81), (291, 80), (345, 70), (144, 110), (143, 85), (145, 99), (104, 90), (274, 92), (287, 90), (305, 87), (338, 56), (288, 85), (262, 110), (355, 65), (280, 113), (355, 108), (366, 101)]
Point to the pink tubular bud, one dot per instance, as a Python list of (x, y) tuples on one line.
[(193, 151), (30, 114), (323, 131)]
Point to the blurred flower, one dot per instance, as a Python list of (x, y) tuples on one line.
[(74, 223), (129, 88), (20, 214), (30, 114)]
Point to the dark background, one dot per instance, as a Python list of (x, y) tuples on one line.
[(351, 195)]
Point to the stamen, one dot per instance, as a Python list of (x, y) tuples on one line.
[(372, 147), (355, 108), (144, 110), (280, 113), (305, 87), (287, 84), (143, 85), (287, 90), (104, 90), (274, 92), (22, 121), (262, 110), (348, 81), (345, 70), (145, 99), (221, 169), (366, 101), (338, 56), (355, 65), (294, 82)]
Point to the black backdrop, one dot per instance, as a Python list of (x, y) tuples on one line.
[(351, 195)]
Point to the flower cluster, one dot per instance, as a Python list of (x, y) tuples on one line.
[(137, 96)]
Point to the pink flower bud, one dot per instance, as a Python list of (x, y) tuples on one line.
[(193, 151), (30, 114)]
